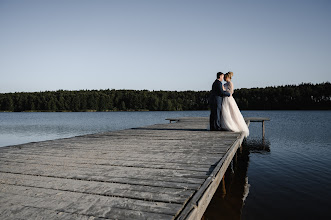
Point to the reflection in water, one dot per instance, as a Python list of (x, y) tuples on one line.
[(260, 146), (229, 199)]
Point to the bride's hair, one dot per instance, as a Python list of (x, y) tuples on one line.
[(228, 74)]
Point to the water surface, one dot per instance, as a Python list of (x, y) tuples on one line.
[(287, 177)]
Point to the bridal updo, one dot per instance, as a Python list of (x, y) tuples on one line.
[(228, 75)]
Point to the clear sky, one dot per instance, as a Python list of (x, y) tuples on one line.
[(162, 45)]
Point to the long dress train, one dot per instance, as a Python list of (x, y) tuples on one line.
[(232, 119)]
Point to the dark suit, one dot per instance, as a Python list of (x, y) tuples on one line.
[(216, 99)]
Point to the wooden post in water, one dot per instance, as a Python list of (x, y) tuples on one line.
[(223, 187), (263, 129)]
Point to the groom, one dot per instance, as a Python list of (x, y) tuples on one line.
[(216, 99)]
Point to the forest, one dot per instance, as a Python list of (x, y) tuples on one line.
[(305, 96)]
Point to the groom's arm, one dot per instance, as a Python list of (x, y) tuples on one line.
[(223, 92)]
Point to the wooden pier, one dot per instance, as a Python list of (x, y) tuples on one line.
[(164, 171)]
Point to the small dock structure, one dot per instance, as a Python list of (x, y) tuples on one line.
[(257, 119), (163, 171)]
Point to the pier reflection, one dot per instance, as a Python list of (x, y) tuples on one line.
[(229, 199)]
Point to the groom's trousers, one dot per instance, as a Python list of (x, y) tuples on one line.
[(215, 113)]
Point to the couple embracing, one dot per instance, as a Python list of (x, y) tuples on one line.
[(225, 114)]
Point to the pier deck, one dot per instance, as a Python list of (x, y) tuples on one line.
[(164, 171)]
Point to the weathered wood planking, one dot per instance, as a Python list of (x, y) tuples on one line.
[(164, 171)]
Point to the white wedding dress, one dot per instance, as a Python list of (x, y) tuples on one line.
[(232, 119)]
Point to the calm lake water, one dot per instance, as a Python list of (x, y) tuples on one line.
[(286, 176)]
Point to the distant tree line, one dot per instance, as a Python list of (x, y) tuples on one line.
[(104, 100), (303, 96)]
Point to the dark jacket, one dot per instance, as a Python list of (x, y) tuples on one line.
[(217, 89), (216, 100)]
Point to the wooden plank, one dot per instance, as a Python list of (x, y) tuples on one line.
[(129, 148), (85, 204), (147, 193), (105, 168), (128, 140), (62, 161), (171, 158), (127, 180), (123, 173), (13, 211), (257, 119), (109, 153)]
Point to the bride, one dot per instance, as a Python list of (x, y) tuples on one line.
[(232, 118)]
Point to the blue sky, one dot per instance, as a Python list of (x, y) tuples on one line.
[(162, 45)]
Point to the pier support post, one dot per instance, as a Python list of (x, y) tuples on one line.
[(263, 129), (223, 187)]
